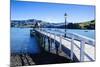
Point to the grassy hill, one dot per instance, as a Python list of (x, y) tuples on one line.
[(32, 22), (87, 25)]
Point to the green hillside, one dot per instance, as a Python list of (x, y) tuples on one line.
[(87, 25)]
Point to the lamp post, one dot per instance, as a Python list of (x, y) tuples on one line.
[(65, 16)]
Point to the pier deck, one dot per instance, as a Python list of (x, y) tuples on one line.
[(83, 48)]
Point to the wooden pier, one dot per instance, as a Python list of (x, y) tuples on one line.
[(75, 47)]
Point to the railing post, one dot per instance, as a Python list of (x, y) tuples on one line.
[(72, 47), (60, 43), (82, 45)]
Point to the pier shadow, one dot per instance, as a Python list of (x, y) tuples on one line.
[(48, 58), (41, 58)]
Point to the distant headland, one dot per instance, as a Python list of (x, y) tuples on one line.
[(31, 23)]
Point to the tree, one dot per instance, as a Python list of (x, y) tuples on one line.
[(76, 26), (70, 26)]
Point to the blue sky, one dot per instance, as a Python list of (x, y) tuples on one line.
[(51, 12)]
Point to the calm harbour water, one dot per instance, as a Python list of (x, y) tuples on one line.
[(22, 42), (86, 33)]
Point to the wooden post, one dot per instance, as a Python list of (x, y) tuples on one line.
[(55, 42), (56, 45), (51, 44), (54, 37), (44, 42), (72, 46), (82, 50), (60, 43), (48, 44)]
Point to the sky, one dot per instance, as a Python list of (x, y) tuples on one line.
[(51, 12)]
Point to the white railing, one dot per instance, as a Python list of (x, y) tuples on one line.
[(85, 45)]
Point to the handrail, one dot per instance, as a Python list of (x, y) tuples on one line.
[(79, 37), (84, 40)]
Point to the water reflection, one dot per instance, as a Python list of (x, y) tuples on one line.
[(21, 42)]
